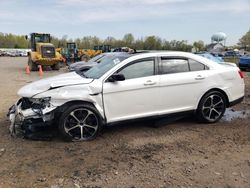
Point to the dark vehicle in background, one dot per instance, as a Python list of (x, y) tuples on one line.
[(84, 66), (231, 54), (244, 63)]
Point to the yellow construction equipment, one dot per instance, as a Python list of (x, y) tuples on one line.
[(43, 52), (85, 55)]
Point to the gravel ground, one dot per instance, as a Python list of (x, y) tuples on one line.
[(180, 154)]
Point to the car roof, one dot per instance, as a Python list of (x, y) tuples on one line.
[(116, 53), (180, 54), (146, 54)]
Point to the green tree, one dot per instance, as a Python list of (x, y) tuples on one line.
[(244, 42), (199, 46), (128, 39), (88, 42), (111, 41), (139, 44), (152, 43)]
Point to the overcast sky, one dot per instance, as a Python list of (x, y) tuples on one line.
[(170, 19)]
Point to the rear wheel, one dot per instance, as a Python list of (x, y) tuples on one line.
[(211, 107), (33, 66), (80, 123), (56, 66)]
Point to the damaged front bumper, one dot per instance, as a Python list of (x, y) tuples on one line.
[(26, 115)]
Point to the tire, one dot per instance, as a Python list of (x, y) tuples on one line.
[(56, 66), (33, 66), (211, 107), (80, 122)]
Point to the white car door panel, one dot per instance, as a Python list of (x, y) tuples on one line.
[(130, 99), (179, 92), (135, 97), (179, 87)]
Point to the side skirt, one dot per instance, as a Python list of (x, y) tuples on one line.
[(161, 118)]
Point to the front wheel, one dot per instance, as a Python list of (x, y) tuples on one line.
[(33, 66), (80, 123), (211, 107)]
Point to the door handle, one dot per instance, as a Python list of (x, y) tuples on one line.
[(199, 77), (149, 83)]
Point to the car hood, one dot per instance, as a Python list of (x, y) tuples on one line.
[(43, 85)]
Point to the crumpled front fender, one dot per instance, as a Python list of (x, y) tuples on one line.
[(82, 92)]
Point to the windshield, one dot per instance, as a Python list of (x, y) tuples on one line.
[(105, 65), (42, 38)]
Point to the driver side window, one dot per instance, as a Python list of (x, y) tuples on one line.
[(138, 69)]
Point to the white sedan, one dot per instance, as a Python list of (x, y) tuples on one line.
[(128, 87)]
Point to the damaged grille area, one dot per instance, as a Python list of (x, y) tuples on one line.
[(26, 103), (28, 119)]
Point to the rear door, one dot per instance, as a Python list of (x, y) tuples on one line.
[(182, 82)]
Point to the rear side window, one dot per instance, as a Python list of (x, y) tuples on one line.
[(178, 65), (174, 66), (196, 66)]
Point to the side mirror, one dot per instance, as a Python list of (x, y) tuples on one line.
[(116, 77), (26, 37)]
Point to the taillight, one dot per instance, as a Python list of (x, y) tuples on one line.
[(241, 74)]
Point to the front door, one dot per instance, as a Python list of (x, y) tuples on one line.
[(136, 96)]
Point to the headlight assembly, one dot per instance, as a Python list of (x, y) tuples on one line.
[(40, 103)]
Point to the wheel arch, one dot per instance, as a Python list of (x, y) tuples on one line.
[(62, 108), (215, 89)]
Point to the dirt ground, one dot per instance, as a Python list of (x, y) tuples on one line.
[(180, 154)]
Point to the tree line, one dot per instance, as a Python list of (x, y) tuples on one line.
[(144, 43), (147, 43), (88, 42)]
